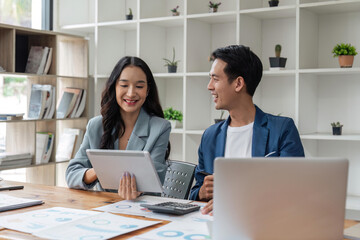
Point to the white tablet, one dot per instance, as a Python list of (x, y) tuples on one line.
[(110, 166)]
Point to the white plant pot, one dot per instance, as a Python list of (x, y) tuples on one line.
[(175, 124)]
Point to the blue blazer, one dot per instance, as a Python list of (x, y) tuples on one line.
[(150, 134), (271, 134)]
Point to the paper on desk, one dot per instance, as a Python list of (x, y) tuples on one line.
[(99, 226), (176, 231), (37, 220), (132, 207), (352, 232)]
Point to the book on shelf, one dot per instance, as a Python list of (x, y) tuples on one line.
[(11, 116), (69, 143), (10, 203), (79, 104), (14, 159), (39, 60), (48, 61), (70, 101), (41, 100), (44, 146)]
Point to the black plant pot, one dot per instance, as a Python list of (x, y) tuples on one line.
[(273, 3), (172, 69), (129, 17), (337, 130), (277, 62)]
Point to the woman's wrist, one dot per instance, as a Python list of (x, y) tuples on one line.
[(89, 176)]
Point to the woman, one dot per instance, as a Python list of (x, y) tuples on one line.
[(131, 119)]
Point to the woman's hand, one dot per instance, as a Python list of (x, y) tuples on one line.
[(127, 187)]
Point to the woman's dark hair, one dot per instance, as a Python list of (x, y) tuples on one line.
[(110, 109), (241, 61)]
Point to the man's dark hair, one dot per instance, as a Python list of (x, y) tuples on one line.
[(241, 62)]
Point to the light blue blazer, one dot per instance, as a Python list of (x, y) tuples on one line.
[(150, 134)]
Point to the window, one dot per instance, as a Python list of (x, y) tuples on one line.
[(27, 13)]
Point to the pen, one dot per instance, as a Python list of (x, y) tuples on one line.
[(269, 154), (205, 173), (11, 188)]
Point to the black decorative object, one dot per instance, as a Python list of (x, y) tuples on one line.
[(273, 3), (172, 69)]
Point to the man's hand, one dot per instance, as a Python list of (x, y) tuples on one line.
[(208, 209), (127, 187), (207, 189), (89, 176)]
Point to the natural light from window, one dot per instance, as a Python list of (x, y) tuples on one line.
[(26, 13)]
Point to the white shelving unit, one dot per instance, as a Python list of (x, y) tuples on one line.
[(313, 90)]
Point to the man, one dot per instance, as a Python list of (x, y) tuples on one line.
[(248, 131)]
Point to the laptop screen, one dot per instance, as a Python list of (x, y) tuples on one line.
[(279, 198)]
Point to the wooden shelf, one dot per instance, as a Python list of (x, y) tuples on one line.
[(271, 13), (329, 136)]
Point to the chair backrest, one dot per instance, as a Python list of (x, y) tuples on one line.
[(178, 179)]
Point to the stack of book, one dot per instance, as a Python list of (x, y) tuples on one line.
[(42, 102), (39, 60), (69, 143), (8, 160), (11, 116), (44, 146), (72, 103)]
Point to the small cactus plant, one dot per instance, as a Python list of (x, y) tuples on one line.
[(277, 50)]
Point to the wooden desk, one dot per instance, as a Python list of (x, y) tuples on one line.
[(63, 197), (79, 199)]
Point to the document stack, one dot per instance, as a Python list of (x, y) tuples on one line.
[(10, 160), (42, 102), (72, 103)]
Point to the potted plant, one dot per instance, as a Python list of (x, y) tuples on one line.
[(174, 116), (273, 3), (175, 12), (336, 128), (213, 7), (277, 61), (172, 65), (216, 120), (130, 15), (346, 54)]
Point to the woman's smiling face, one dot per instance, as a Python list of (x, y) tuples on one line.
[(131, 89)]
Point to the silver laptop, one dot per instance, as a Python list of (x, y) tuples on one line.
[(279, 198)]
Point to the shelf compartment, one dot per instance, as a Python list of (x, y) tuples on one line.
[(320, 33), (120, 25), (258, 5), (77, 12), (7, 43), (116, 10), (275, 95), (192, 146), (271, 13), (24, 40), (176, 141), (160, 8), (322, 101), (202, 6), (170, 92), (332, 7), (224, 17), (214, 35), (266, 34), (159, 44), (199, 106), (114, 43)]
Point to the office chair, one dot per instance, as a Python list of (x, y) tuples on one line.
[(178, 179)]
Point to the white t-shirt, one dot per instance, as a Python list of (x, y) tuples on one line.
[(239, 141)]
